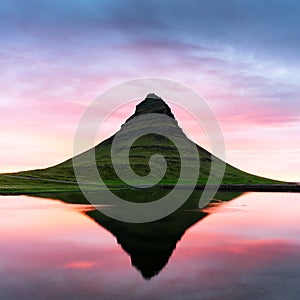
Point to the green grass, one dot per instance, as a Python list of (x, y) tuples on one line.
[(16, 186), (40, 180), (35, 181), (46, 180)]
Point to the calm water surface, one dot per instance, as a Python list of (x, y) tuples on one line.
[(243, 249)]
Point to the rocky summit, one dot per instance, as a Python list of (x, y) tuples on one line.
[(152, 104)]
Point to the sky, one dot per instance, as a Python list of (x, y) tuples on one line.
[(242, 57)]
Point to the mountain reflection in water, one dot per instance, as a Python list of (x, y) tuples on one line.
[(242, 249), (149, 245)]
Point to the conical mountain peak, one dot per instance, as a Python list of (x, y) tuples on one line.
[(153, 96), (152, 104)]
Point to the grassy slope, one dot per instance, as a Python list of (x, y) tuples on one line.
[(143, 148), (40, 180)]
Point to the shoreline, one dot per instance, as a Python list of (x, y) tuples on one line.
[(32, 185), (291, 187)]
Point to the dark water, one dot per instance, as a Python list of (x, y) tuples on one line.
[(247, 248)]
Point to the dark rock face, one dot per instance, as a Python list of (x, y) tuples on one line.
[(152, 104)]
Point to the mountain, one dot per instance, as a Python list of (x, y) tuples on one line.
[(61, 177)]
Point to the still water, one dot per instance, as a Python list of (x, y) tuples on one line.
[(246, 248)]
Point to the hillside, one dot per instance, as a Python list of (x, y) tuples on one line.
[(61, 177)]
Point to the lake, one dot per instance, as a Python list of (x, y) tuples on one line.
[(245, 248)]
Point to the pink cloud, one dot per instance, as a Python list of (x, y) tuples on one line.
[(79, 264)]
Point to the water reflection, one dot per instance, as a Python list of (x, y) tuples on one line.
[(149, 245), (243, 249)]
